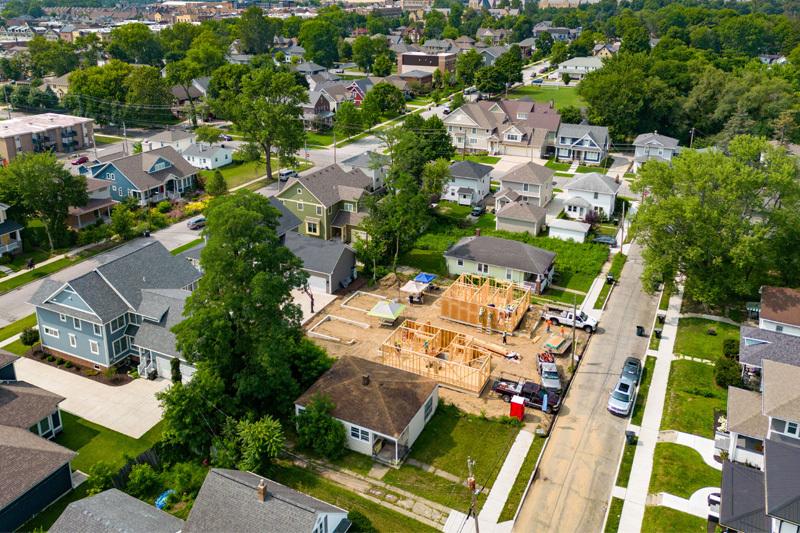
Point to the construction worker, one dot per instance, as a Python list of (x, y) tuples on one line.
[(549, 323), (505, 335)]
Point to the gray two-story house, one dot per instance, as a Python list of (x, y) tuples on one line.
[(583, 143), (654, 147), (120, 309)]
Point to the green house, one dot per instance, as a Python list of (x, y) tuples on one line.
[(329, 202)]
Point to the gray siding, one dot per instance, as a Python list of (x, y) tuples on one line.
[(36, 499), (343, 270), (51, 319)]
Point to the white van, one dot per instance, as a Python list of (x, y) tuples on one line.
[(285, 173)]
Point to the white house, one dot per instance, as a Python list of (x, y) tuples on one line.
[(373, 164), (568, 230), (207, 156), (590, 192), (780, 310), (653, 146), (578, 67), (468, 183), (383, 409), (178, 139)]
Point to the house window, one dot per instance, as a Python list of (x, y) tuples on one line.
[(73, 341), (473, 140), (525, 187), (460, 262), (474, 131), (56, 420), (312, 228), (94, 347), (299, 190), (299, 206), (358, 433), (596, 196), (350, 208), (120, 345), (778, 328), (111, 176), (508, 273), (117, 324), (483, 268), (52, 332), (62, 317), (512, 137), (98, 329), (76, 323), (114, 188), (319, 210), (791, 428), (429, 408)]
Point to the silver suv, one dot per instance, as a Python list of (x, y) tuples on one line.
[(623, 397)]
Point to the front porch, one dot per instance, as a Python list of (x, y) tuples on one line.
[(172, 189), (389, 451), (581, 155)]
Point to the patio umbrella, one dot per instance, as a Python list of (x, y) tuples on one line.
[(424, 277), (387, 310), (414, 287)]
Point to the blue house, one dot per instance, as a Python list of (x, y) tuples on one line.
[(150, 177), (123, 308)]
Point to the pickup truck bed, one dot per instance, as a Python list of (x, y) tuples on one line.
[(535, 395)]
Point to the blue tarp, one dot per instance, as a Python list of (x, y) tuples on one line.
[(424, 277), (161, 501)]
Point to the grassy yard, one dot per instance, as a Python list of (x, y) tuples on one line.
[(482, 159), (319, 138), (188, 246), (624, 474), (486, 221), (17, 327), (16, 347), (561, 96), (644, 389), (692, 397), (693, 338), (521, 483), (663, 303), (617, 264), (432, 487), (665, 520), (419, 101), (680, 471), (452, 436), (614, 514), (37, 273), (240, 172), (555, 165), (607, 229), (107, 139), (381, 518)]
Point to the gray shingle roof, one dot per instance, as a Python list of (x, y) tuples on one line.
[(394, 396), (655, 138), (135, 167), (503, 253), (523, 211), (204, 150), (757, 344), (98, 295), (578, 201), (593, 182), (331, 184), (228, 501), (782, 479), (469, 169), (742, 502), (317, 255), (571, 225), (113, 511), (599, 134), (158, 336), (170, 136), (25, 461), (744, 413), (7, 358), (366, 159), (9, 225), (529, 172), (22, 405), (781, 396)]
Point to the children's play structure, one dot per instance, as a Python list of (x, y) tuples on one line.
[(453, 359), (486, 303)]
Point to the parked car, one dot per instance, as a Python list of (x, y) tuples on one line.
[(605, 239), (632, 368), (285, 173), (557, 315), (622, 397), (477, 211), (80, 160), (225, 137), (446, 109), (537, 81), (549, 373), (196, 222), (534, 395)]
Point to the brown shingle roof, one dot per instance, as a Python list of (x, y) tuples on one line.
[(23, 405), (331, 184), (780, 304), (133, 167), (385, 405), (529, 172), (523, 211)]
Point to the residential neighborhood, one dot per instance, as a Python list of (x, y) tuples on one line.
[(399, 267)]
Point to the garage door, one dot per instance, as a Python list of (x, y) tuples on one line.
[(164, 365), (318, 283)]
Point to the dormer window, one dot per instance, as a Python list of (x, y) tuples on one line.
[(522, 116)]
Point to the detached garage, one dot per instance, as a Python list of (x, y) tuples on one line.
[(568, 230), (331, 265)]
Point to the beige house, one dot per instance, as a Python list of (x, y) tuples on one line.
[(521, 217), (528, 182)]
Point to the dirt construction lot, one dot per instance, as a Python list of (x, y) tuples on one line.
[(365, 342)]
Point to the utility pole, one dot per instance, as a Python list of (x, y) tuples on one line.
[(125, 139), (334, 146), (691, 138), (622, 241), (574, 319), (473, 493)]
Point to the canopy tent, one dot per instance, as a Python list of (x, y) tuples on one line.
[(424, 277), (414, 287), (387, 310)]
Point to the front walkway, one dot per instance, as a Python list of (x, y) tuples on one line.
[(696, 505), (130, 409), (702, 445)]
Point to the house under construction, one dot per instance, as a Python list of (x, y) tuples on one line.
[(486, 303), (453, 359)]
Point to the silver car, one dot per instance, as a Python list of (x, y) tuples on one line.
[(622, 397)]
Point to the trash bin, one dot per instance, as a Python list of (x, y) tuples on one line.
[(630, 437), (609, 279), (661, 318), (657, 333), (146, 233), (640, 331)]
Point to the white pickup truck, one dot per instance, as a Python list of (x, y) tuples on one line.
[(558, 316)]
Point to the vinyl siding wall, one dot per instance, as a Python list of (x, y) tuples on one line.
[(471, 267), (771, 325), (344, 269), (120, 185), (518, 226), (36, 499), (604, 201), (539, 195), (291, 199), (51, 319)]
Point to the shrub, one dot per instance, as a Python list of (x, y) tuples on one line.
[(100, 477), (360, 523), (110, 372), (186, 478), (164, 206), (29, 336), (60, 361), (319, 431), (142, 481), (727, 372), (157, 219), (730, 348), (68, 364), (51, 358), (175, 368), (261, 442)]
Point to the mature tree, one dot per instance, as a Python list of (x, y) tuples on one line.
[(457, 101), (32, 98), (363, 53), (404, 213), (215, 184), (208, 55), (317, 430), (382, 66), (348, 120), (722, 221), (177, 39), (509, 66), (434, 24), (134, 43), (122, 221), (207, 134), (467, 64), (319, 38), (489, 80), (636, 39), (148, 95), (182, 73), (571, 114), (40, 187), (558, 53), (260, 443), (226, 80), (254, 31), (51, 57), (435, 176), (89, 48), (544, 43), (14, 68), (386, 98)]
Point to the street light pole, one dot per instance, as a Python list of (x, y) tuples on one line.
[(473, 493)]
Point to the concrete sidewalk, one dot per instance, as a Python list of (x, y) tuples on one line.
[(696, 505), (501, 488), (639, 483)]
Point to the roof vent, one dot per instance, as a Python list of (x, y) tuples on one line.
[(365, 380), (261, 490)]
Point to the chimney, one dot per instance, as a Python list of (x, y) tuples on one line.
[(261, 490), (365, 380), (477, 232)]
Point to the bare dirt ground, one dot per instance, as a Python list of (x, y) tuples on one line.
[(368, 341)]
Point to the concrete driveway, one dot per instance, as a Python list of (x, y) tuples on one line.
[(130, 409), (578, 468)]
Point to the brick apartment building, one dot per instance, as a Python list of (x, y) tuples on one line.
[(421, 61), (39, 133)]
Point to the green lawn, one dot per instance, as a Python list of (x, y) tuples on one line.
[(625, 464), (107, 139), (37, 273), (17, 327), (432, 487), (693, 338), (16, 347), (644, 389), (486, 221), (562, 96), (18, 262), (425, 261), (555, 165), (453, 211), (679, 470), (665, 520), (663, 303), (692, 397), (419, 101), (240, 172), (563, 175), (614, 514), (188, 246), (483, 159), (319, 138), (452, 436), (523, 477), (382, 519), (617, 265), (607, 229)]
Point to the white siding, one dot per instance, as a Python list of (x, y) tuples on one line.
[(603, 201), (770, 325), (417, 423), (567, 234)]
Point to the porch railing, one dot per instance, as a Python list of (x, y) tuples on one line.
[(10, 247)]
